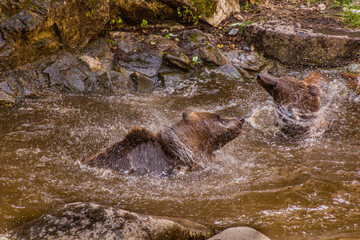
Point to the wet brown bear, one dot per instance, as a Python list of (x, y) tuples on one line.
[(188, 143), (298, 102)]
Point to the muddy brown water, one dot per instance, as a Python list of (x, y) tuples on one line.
[(308, 189)]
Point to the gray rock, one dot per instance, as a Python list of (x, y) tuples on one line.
[(74, 80), (293, 44), (141, 83), (233, 31), (229, 71), (247, 60), (145, 62), (110, 82), (239, 233), (93, 221), (56, 71)]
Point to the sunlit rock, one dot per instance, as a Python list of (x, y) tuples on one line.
[(239, 233), (92, 63)]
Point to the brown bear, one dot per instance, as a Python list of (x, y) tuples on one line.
[(298, 102), (189, 143)]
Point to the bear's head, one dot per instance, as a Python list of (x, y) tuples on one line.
[(199, 134), (289, 92)]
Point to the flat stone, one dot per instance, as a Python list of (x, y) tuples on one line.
[(293, 44), (239, 233), (93, 221)]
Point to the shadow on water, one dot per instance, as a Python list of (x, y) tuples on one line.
[(291, 190)]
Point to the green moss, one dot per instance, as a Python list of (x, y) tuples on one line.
[(205, 7)]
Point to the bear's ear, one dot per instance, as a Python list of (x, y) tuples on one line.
[(190, 114), (314, 90)]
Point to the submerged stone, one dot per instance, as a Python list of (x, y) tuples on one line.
[(93, 221)]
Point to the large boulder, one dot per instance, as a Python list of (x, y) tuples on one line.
[(93, 221), (293, 44), (80, 20), (32, 29), (212, 11), (26, 32)]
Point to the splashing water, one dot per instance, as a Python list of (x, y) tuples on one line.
[(288, 190)]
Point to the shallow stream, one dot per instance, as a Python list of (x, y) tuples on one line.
[(308, 189)]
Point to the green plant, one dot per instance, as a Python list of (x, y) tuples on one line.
[(241, 26), (90, 13), (144, 24), (352, 16), (195, 60), (187, 16)]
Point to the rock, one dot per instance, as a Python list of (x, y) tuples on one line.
[(74, 80), (56, 70), (293, 44), (239, 233), (229, 71), (178, 57), (171, 80), (247, 60), (212, 55), (211, 11), (197, 44), (147, 62), (141, 83), (233, 31), (110, 82), (136, 10), (92, 63), (80, 20), (6, 100), (32, 29), (93, 221)]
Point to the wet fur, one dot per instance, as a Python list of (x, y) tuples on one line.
[(189, 143), (298, 102)]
